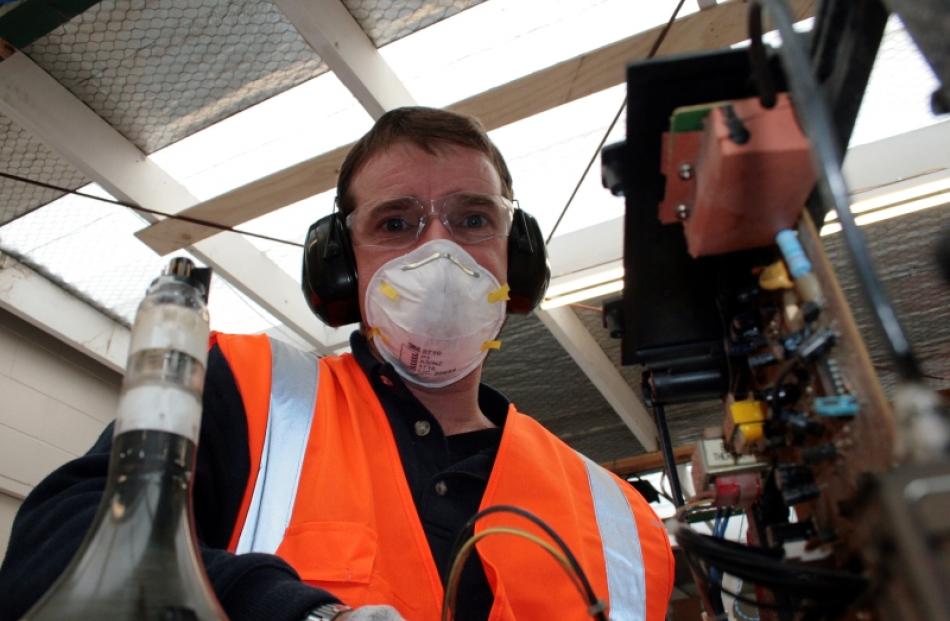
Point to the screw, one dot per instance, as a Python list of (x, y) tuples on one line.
[(682, 211), (686, 171)]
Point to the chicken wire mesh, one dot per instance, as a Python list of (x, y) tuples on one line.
[(385, 21), (897, 98), (160, 71), (23, 155)]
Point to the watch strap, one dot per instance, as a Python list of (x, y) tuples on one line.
[(326, 612)]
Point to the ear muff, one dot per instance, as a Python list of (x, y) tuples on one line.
[(329, 272), (528, 270), (329, 269)]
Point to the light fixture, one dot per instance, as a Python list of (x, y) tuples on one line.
[(584, 285), (893, 204)]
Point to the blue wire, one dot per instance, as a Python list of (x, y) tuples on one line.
[(723, 525)]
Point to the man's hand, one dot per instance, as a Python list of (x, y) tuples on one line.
[(371, 613)]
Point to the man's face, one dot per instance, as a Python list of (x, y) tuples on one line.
[(406, 170)]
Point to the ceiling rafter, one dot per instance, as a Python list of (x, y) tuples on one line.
[(587, 354), (564, 82), (337, 38), (42, 106)]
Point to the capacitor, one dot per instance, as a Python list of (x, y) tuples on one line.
[(797, 495), (762, 359), (778, 534), (819, 453), (792, 476)]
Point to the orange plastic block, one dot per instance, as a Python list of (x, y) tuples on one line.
[(737, 196)]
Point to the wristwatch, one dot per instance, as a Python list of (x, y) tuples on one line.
[(327, 612)]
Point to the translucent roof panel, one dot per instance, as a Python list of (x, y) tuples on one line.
[(548, 153), (498, 41), (289, 223), (897, 98), (90, 245), (384, 21), (298, 124)]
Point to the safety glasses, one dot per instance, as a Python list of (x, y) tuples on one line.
[(398, 222)]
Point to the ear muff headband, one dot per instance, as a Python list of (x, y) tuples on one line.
[(329, 280)]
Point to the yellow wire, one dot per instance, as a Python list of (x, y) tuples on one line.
[(455, 573)]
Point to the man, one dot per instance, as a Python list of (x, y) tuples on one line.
[(350, 509)]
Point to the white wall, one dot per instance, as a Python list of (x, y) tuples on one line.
[(54, 402)]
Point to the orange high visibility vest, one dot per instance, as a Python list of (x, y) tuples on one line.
[(343, 515)]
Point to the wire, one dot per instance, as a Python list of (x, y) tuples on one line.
[(469, 527), (816, 122), (653, 50), (766, 568), (737, 611), (155, 212), (455, 574), (698, 571), (660, 492)]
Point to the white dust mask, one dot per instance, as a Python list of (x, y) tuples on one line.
[(434, 313)]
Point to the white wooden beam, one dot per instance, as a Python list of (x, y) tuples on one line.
[(42, 106), (578, 77), (38, 301), (337, 38), (577, 341)]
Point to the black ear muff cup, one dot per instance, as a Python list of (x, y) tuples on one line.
[(528, 269), (329, 272), (329, 269)]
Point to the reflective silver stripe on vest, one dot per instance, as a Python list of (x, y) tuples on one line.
[(623, 557), (293, 396)]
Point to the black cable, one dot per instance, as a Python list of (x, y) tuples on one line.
[(155, 212), (666, 449), (653, 50), (718, 586), (470, 527), (758, 59), (813, 113), (763, 567)]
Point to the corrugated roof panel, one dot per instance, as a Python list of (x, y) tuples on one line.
[(158, 72), (23, 155)]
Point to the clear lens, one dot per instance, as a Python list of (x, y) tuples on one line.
[(398, 223)]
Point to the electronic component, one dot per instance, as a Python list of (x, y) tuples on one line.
[(837, 405), (737, 490), (711, 459), (744, 425), (707, 155), (812, 421), (800, 267)]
